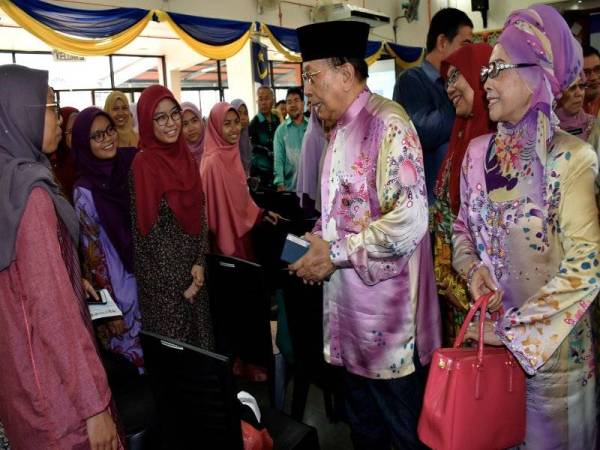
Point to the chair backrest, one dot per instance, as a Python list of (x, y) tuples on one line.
[(241, 307), (195, 394)]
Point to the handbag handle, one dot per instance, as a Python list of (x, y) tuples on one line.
[(480, 304)]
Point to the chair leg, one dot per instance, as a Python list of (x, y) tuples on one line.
[(300, 396)]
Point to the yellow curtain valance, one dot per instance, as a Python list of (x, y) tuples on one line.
[(210, 51), (74, 45)]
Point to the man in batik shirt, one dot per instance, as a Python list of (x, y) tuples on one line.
[(371, 245)]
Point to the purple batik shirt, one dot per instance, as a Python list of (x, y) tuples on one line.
[(380, 304)]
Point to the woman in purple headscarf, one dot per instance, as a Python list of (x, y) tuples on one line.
[(528, 228), (101, 198), (245, 147), (193, 129)]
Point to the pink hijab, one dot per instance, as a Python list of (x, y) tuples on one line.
[(230, 209)]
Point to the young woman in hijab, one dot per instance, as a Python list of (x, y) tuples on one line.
[(528, 231), (169, 223), (101, 198), (231, 211), (54, 392), (117, 107), (193, 129), (63, 163), (461, 71), (245, 146)]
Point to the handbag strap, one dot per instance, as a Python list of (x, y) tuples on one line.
[(481, 305)]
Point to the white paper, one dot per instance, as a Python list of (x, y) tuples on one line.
[(101, 311)]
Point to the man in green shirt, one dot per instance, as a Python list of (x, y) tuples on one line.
[(287, 142)]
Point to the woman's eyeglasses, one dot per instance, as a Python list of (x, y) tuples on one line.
[(163, 118), (493, 69), (452, 78), (100, 135)]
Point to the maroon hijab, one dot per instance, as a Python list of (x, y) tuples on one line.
[(164, 170), (63, 163), (468, 60)]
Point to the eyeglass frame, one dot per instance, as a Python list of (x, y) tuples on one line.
[(308, 77), (595, 70), (175, 112), (103, 134), (486, 71), (452, 78)]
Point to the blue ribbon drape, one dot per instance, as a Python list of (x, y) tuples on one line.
[(211, 31), (286, 37), (92, 24), (406, 53)]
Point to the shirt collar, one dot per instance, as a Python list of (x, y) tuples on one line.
[(261, 117), (432, 73), (289, 121), (355, 108)]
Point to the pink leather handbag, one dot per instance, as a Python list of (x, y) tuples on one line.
[(475, 397)]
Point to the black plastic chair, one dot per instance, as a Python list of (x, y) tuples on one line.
[(304, 308), (241, 309), (197, 400)]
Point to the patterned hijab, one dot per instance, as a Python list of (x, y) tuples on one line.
[(539, 35), (127, 135), (23, 166)]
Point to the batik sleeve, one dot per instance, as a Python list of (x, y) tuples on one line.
[(464, 254), (385, 245), (535, 330)]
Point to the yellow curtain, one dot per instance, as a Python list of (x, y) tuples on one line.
[(210, 51), (73, 45), (404, 64)]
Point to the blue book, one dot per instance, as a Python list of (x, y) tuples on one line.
[(294, 248)]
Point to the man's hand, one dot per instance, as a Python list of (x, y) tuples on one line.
[(316, 264), (281, 188), (102, 432)]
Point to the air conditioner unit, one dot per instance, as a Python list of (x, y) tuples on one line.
[(344, 11)]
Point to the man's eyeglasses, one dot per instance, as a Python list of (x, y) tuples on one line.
[(309, 77), (55, 109), (163, 118), (493, 69), (452, 78), (593, 70), (100, 135)]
